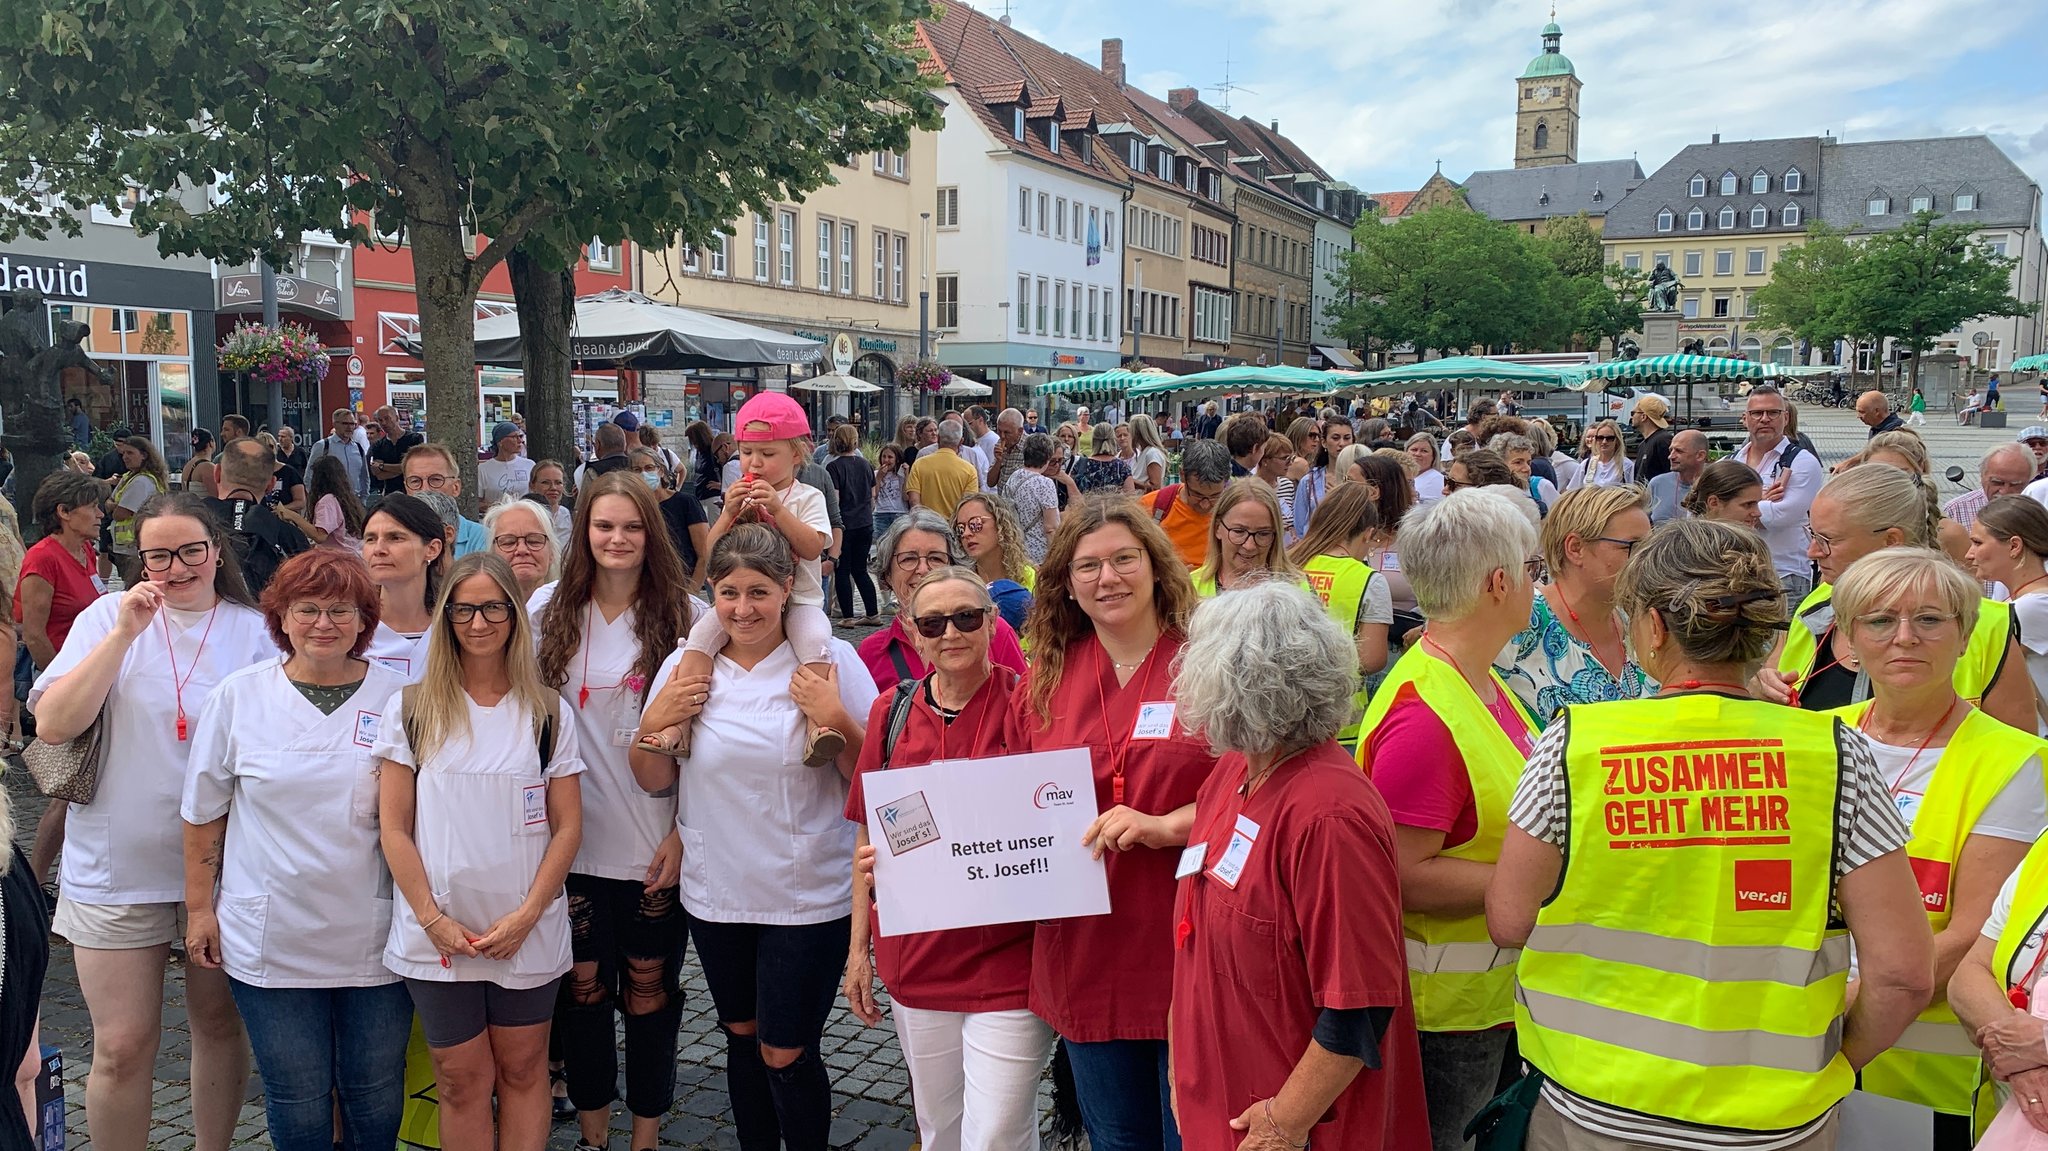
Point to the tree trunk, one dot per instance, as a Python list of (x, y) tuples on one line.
[(447, 308), (547, 308)]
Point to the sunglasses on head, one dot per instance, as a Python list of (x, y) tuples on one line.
[(934, 626)]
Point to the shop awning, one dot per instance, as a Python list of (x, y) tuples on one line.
[(2037, 363), (618, 328), (1337, 358)]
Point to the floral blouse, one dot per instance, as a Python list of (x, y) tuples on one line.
[(1548, 667)]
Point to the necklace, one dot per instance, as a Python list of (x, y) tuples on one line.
[(2015, 593), (1251, 781), (1619, 667), (1863, 725)]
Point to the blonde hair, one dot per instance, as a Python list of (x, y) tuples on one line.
[(1584, 512), (1877, 497), (1883, 576), (1407, 463), (437, 707), (1249, 489), (1903, 442), (1714, 587), (1350, 454), (1009, 533)]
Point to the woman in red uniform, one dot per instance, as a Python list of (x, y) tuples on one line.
[(1112, 607), (974, 1049), (1292, 1022)]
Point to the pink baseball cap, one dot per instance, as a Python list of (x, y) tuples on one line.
[(770, 416)]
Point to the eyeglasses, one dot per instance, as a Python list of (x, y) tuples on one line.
[(436, 482), (1826, 545), (1451, 485), (1602, 439), (1766, 413), (191, 555), (970, 620), (912, 561), (1259, 536), (1627, 546), (971, 527), (496, 611), (1885, 625), (1123, 563), (1536, 569), (532, 543), (310, 613)]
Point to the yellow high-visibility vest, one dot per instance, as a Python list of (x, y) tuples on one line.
[(1340, 582), (1975, 672), (1460, 980), (1935, 1062), (1687, 966)]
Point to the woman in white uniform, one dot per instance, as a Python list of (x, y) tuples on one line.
[(481, 815), (152, 656), (406, 548), (280, 815), (765, 838), (2009, 545), (604, 631)]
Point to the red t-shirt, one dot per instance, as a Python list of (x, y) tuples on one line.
[(1314, 922), (1421, 773), (72, 588), (1102, 977), (881, 650), (967, 968)]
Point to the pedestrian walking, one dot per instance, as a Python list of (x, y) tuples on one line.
[(142, 479), (856, 480)]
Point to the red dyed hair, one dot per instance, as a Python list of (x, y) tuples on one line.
[(322, 573)]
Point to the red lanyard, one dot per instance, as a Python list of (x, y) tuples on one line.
[(1118, 752), (177, 683), (946, 729), (1908, 769), (583, 691), (1620, 667), (2021, 994), (1827, 644)]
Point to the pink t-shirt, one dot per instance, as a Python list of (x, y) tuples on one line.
[(1421, 773)]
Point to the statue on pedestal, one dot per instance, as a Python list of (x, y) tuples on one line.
[(32, 387), (1664, 286)]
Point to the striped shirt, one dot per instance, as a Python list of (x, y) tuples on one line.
[(1867, 825)]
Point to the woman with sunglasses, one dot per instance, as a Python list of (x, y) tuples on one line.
[(405, 545), (1113, 608), (1863, 510), (1247, 540), (1444, 741), (285, 884), (481, 816), (917, 543), (765, 838), (993, 540), (1306, 434), (1326, 476), (605, 629), (1575, 649), (960, 998), (151, 657), (1605, 466)]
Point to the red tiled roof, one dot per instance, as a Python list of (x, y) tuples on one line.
[(1394, 203)]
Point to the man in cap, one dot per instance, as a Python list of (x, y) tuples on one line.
[(1875, 410), (507, 471), (1652, 421), (2036, 438)]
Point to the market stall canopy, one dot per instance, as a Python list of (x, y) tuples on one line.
[(962, 386), (1248, 380), (1452, 372), (1675, 368), (1112, 383), (2034, 363), (620, 329), (834, 383)]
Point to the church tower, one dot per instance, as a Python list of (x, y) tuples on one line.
[(1547, 107)]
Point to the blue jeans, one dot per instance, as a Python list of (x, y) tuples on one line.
[(315, 1043), (1125, 1095)]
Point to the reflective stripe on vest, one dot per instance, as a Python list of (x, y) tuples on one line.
[(1975, 672), (1458, 958), (1687, 966), (1340, 582), (1462, 996), (1934, 1064), (2028, 915)]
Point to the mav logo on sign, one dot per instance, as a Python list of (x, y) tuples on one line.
[(1763, 885)]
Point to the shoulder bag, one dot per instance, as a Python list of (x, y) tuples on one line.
[(68, 771)]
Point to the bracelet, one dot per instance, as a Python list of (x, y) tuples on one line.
[(1275, 1125), (444, 915)]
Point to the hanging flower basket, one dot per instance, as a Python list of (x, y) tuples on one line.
[(924, 376), (287, 354)]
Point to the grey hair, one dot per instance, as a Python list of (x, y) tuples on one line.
[(1010, 418), (1996, 450), (1294, 688), (915, 520), (949, 433), (496, 512), (442, 506), (1450, 547), (1504, 442), (1207, 461), (951, 573)]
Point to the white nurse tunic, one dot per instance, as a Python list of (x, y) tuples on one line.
[(404, 654), (305, 898)]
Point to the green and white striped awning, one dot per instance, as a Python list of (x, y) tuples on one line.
[(1676, 368), (1114, 382), (1451, 372), (1249, 380), (2035, 363)]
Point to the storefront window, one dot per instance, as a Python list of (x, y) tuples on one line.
[(174, 412)]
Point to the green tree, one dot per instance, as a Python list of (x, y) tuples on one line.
[(1573, 247), (1805, 295), (1446, 280), (472, 127), (1923, 280)]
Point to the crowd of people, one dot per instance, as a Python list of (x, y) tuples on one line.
[(396, 780)]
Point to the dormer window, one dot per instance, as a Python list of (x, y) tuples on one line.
[(1087, 148), (1698, 186), (1017, 122), (1052, 137), (1165, 165), (1965, 199), (1759, 183), (1598, 195), (1923, 202), (1136, 163), (1664, 220), (1790, 216), (1695, 220), (1793, 180), (1877, 204), (1759, 217), (1727, 217), (1728, 183)]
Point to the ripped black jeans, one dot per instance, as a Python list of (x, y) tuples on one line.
[(627, 946)]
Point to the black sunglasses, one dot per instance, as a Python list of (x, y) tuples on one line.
[(934, 626)]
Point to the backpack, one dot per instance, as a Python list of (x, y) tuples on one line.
[(899, 717), (256, 550), (1162, 505)]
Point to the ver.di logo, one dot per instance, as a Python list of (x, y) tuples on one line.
[(1051, 795)]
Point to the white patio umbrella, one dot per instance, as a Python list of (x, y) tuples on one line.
[(962, 386), (835, 383), (621, 329)]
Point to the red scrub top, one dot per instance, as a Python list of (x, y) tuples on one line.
[(73, 586), (1314, 922), (967, 968), (1103, 977), (892, 657)]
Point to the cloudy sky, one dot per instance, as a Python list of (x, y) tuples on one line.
[(1380, 90)]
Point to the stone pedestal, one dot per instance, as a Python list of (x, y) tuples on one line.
[(1660, 333)]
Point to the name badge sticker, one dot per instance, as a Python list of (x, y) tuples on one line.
[(624, 736), (1155, 721), (99, 585), (1231, 867), (1190, 860), (534, 800), (366, 728)]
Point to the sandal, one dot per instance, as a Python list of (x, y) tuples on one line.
[(559, 1077), (823, 747)]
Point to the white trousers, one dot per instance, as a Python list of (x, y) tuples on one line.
[(974, 1076)]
